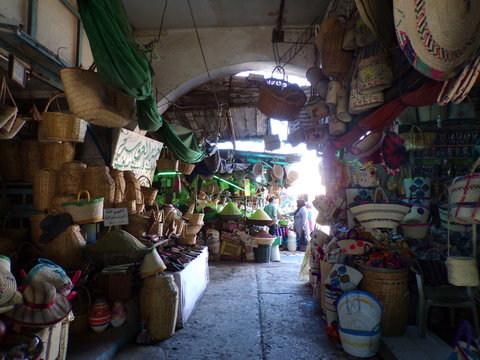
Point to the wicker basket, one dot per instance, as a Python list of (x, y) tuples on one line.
[(185, 239), (281, 100), (167, 165), (336, 62), (417, 140), (81, 305), (100, 184), (66, 250), (390, 287), (133, 189), (71, 177), (56, 206), (85, 211), (11, 164), (149, 193), (54, 155), (137, 225), (130, 205), (94, 100), (44, 189), (31, 159), (159, 305), (60, 126), (185, 168), (35, 230), (120, 185)]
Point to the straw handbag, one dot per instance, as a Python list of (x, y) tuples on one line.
[(374, 71), (16, 127), (8, 113), (60, 126), (85, 211), (359, 103), (280, 99), (94, 100), (417, 140), (137, 225), (149, 192)]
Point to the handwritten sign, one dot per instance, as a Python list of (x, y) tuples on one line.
[(115, 216), (135, 152)]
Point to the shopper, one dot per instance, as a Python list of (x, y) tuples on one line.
[(300, 225), (272, 211)]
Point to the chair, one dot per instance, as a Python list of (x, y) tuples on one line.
[(441, 295)]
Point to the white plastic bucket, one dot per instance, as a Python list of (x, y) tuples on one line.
[(275, 253), (292, 241)]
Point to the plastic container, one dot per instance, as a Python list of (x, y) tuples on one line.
[(292, 241), (263, 253), (275, 253)]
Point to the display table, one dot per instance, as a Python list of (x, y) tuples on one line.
[(192, 283)]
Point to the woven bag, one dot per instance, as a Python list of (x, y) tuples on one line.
[(336, 127), (120, 185), (416, 139), (137, 225), (54, 155), (374, 72), (8, 113), (17, 125), (100, 184), (71, 177), (59, 126), (66, 250), (130, 205), (85, 211), (336, 62), (359, 103), (133, 190), (56, 206), (149, 193), (44, 189), (280, 99), (94, 100)]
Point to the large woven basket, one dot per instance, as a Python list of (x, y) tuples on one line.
[(56, 206), (464, 189), (100, 184), (54, 155), (390, 287), (416, 139), (120, 185), (94, 100), (85, 211), (44, 189), (31, 159), (149, 193), (137, 225), (167, 165), (60, 126), (159, 305), (71, 177), (133, 190), (11, 164), (66, 250), (280, 99), (185, 168)]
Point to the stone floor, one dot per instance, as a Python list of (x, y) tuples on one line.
[(250, 311)]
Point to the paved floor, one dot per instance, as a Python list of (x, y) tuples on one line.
[(250, 311)]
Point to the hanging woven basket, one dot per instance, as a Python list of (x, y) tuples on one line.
[(281, 100)]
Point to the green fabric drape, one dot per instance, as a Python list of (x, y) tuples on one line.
[(121, 64), (181, 142), (117, 57)]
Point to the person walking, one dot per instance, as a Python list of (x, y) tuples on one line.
[(272, 211), (300, 225)]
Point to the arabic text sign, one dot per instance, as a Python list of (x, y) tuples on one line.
[(135, 152), (115, 216)]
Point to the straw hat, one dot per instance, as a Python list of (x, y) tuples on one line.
[(42, 306), (152, 264), (437, 36), (48, 271), (292, 176), (276, 172), (378, 16), (9, 296), (257, 169)]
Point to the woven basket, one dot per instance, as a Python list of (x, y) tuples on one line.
[(56, 206), (464, 189), (11, 164), (191, 229), (61, 126), (94, 100), (462, 271), (149, 193), (81, 305), (185, 239), (390, 287), (137, 225), (44, 189), (54, 155), (367, 145), (336, 62), (66, 250), (133, 189), (31, 159), (167, 165), (417, 140), (100, 184), (120, 185), (129, 204), (159, 305), (185, 168), (85, 211), (281, 100), (71, 177), (35, 230)]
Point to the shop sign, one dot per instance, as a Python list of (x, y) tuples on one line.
[(132, 151), (115, 216)]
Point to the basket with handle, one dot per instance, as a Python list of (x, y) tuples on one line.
[(195, 219), (186, 238), (185, 168), (8, 113), (44, 188), (149, 193), (66, 250), (464, 192), (85, 211), (157, 227), (71, 177), (54, 155), (416, 139), (58, 126), (81, 305), (279, 99), (380, 214), (131, 205), (166, 162)]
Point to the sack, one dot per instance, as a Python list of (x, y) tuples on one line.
[(417, 140)]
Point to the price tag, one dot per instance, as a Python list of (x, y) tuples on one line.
[(115, 216)]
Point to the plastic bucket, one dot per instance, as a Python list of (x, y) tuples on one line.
[(263, 253), (275, 253)]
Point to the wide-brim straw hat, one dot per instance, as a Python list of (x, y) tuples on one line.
[(42, 306), (437, 36), (257, 169), (292, 176), (276, 172), (9, 296), (152, 264), (48, 271)]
